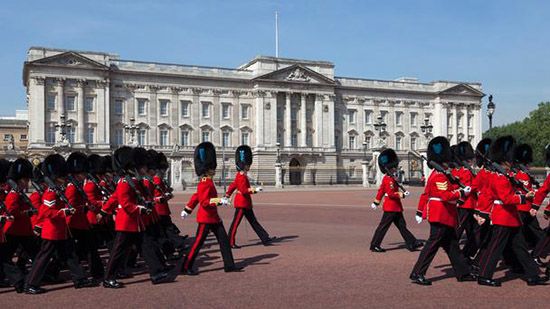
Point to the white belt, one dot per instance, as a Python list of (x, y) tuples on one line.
[(498, 202), (119, 206), (435, 199)]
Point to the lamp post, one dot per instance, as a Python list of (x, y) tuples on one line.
[(490, 111), (364, 165), (223, 165), (132, 128), (426, 128), (62, 126), (380, 126), (278, 168)]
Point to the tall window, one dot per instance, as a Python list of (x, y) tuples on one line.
[(398, 118), (368, 116), (164, 107), (205, 110), (69, 103), (71, 133), (413, 143), (414, 119), (245, 138), (163, 137), (142, 133), (244, 111), (352, 139), (90, 135), (225, 139), (368, 141), (352, 115), (459, 121), (185, 138), (142, 107), (50, 102), (50, 134), (119, 137), (118, 106), (398, 142), (89, 104), (185, 108), (205, 136), (225, 111)]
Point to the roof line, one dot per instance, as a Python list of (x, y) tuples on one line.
[(183, 65)]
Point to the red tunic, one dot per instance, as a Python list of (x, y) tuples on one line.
[(128, 217), (441, 200), (36, 200), (79, 219), (389, 190), (147, 189), (208, 212), (95, 199), (506, 201), (541, 194), (161, 200), (21, 225), (466, 177), (243, 198), (54, 226), (524, 178)]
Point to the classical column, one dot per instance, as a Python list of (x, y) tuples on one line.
[(440, 119), (174, 116), (278, 175), (103, 112), (236, 138), (152, 112), (81, 129), (259, 119), (37, 110), (466, 130), (303, 120), (330, 110), (270, 107), (196, 117), (364, 165), (318, 121), (216, 115), (60, 87), (107, 107), (288, 122)]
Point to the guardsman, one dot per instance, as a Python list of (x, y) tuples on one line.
[(438, 206), (243, 198), (506, 236), (543, 247), (393, 209), (55, 234), (207, 216)]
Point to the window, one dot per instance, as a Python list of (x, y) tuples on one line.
[(185, 138), (413, 143), (398, 118), (119, 137), (245, 138), (459, 121), (225, 111), (384, 116), (470, 121), (118, 107), (351, 114), (205, 136), (90, 135), (142, 107), (7, 137), (185, 108), (164, 107), (244, 111), (450, 120), (225, 139), (294, 140), (89, 104), (352, 173), (368, 141), (368, 117), (141, 137), (23, 137), (163, 137), (205, 110), (69, 103), (71, 132), (414, 119), (50, 134), (352, 142), (398, 140), (50, 102)]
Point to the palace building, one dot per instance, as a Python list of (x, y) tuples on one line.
[(319, 126)]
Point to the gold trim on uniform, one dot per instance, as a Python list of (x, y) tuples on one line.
[(442, 186)]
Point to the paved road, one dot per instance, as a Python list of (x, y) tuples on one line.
[(322, 261)]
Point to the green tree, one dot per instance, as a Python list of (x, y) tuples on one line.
[(533, 130)]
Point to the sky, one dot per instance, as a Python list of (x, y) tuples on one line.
[(502, 44)]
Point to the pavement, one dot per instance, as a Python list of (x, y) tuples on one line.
[(322, 260)]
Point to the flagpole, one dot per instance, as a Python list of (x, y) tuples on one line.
[(276, 34)]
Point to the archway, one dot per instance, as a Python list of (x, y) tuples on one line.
[(295, 172)]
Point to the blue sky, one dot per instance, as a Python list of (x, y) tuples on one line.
[(502, 44)]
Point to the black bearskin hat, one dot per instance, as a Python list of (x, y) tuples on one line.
[(204, 158), (502, 150), (387, 160), (54, 166), (77, 162), (140, 157), (122, 159), (20, 168), (465, 151), (152, 159), (439, 150), (37, 171), (483, 148), (162, 161), (523, 154), (455, 162), (107, 164), (4, 168), (243, 157), (95, 164)]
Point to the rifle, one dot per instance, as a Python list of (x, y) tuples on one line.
[(140, 198), (524, 169), (495, 167), (104, 190), (468, 167), (37, 187), (55, 188), (399, 185), (447, 174), (26, 199)]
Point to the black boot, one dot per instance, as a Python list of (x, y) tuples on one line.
[(420, 279), (466, 277), (536, 281), (112, 284), (84, 283), (488, 282), (377, 249), (34, 290)]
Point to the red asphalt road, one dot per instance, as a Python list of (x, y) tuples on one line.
[(323, 260)]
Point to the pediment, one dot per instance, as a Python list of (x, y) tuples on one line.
[(70, 59), (296, 73), (462, 89)]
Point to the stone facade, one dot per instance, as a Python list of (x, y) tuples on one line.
[(318, 123)]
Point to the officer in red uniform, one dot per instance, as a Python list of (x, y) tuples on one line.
[(243, 198), (131, 214), (55, 234), (543, 247), (438, 206), (506, 233), (207, 216), (393, 210)]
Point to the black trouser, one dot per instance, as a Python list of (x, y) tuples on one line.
[(202, 231), (151, 241), (256, 226), (483, 236), (445, 237), (28, 244), (543, 247), (64, 250), (387, 219), (7, 268), (510, 242), (170, 238), (86, 244), (467, 223), (104, 235), (121, 246), (531, 229)]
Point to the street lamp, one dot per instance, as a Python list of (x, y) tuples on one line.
[(426, 127), (132, 128), (365, 150), (490, 111), (278, 145), (62, 126), (380, 126)]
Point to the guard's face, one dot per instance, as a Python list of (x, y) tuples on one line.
[(142, 170), (211, 172), (23, 183), (80, 176), (393, 170), (470, 162), (60, 180)]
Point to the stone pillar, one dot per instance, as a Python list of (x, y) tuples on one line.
[(107, 106), (379, 174), (61, 104), (37, 110), (318, 142), (196, 115), (288, 122), (365, 167), (236, 138), (303, 120), (270, 137), (81, 129), (152, 112), (278, 175), (330, 104), (259, 121), (175, 174), (216, 115), (466, 130), (174, 116)]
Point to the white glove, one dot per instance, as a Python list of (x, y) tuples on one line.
[(406, 193), (259, 189), (224, 201), (184, 214), (373, 206), (418, 219), (467, 190)]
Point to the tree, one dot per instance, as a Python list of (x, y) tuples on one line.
[(533, 130)]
